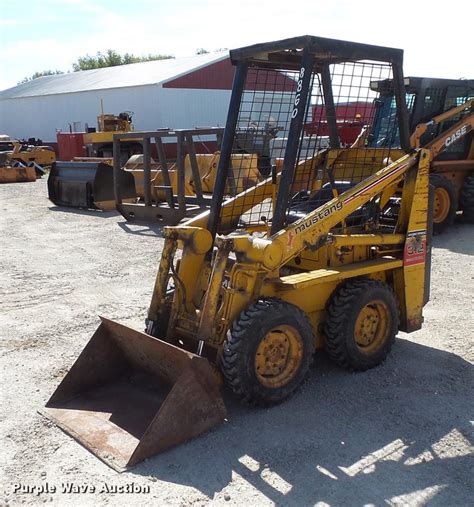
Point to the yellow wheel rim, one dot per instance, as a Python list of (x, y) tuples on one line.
[(371, 327), (442, 203), (278, 356)]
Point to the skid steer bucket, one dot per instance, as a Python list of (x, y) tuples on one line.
[(129, 396), (87, 185)]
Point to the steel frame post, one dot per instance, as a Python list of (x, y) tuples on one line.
[(294, 134), (227, 146)]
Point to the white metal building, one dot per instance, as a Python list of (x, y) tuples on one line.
[(174, 93)]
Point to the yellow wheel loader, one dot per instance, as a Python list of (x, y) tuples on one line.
[(331, 251)]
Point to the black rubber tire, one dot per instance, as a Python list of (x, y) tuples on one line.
[(342, 311), (439, 181), (241, 344), (466, 199)]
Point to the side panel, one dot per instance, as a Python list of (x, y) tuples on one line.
[(409, 280)]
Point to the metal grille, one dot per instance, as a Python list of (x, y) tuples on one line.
[(262, 128), (329, 174), (321, 173)]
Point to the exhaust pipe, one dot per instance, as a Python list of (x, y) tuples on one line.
[(130, 396)]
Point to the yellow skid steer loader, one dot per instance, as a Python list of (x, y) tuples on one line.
[(330, 252)]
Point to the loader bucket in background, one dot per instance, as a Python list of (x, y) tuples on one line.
[(70, 184), (17, 174), (129, 396), (86, 185)]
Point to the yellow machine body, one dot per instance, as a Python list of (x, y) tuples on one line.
[(210, 306), (99, 143), (453, 179)]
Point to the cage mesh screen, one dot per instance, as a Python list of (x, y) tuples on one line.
[(320, 173), (262, 130)]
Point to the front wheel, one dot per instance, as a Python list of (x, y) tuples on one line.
[(268, 351)]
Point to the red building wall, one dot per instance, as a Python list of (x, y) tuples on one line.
[(219, 76)]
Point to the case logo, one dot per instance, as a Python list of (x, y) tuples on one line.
[(457, 135)]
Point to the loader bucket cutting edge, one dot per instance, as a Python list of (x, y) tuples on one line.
[(129, 396)]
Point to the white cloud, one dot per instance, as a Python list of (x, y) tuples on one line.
[(180, 27)]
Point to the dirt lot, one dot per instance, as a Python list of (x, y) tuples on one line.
[(400, 434)]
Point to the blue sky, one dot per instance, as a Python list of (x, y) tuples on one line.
[(52, 34)]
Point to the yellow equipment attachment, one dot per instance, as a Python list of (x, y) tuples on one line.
[(41, 155), (17, 173), (247, 174), (169, 191), (331, 252), (23, 162)]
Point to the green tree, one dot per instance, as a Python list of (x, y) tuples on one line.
[(40, 74), (111, 59)]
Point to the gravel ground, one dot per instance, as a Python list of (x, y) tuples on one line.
[(400, 434)]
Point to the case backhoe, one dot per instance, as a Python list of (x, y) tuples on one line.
[(331, 251)]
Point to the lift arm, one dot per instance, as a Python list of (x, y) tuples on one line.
[(311, 231)]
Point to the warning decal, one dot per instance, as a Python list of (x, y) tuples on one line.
[(415, 248)]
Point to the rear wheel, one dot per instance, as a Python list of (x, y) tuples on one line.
[(445, 202), (467, 199), (268, 352), (361, 323)]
